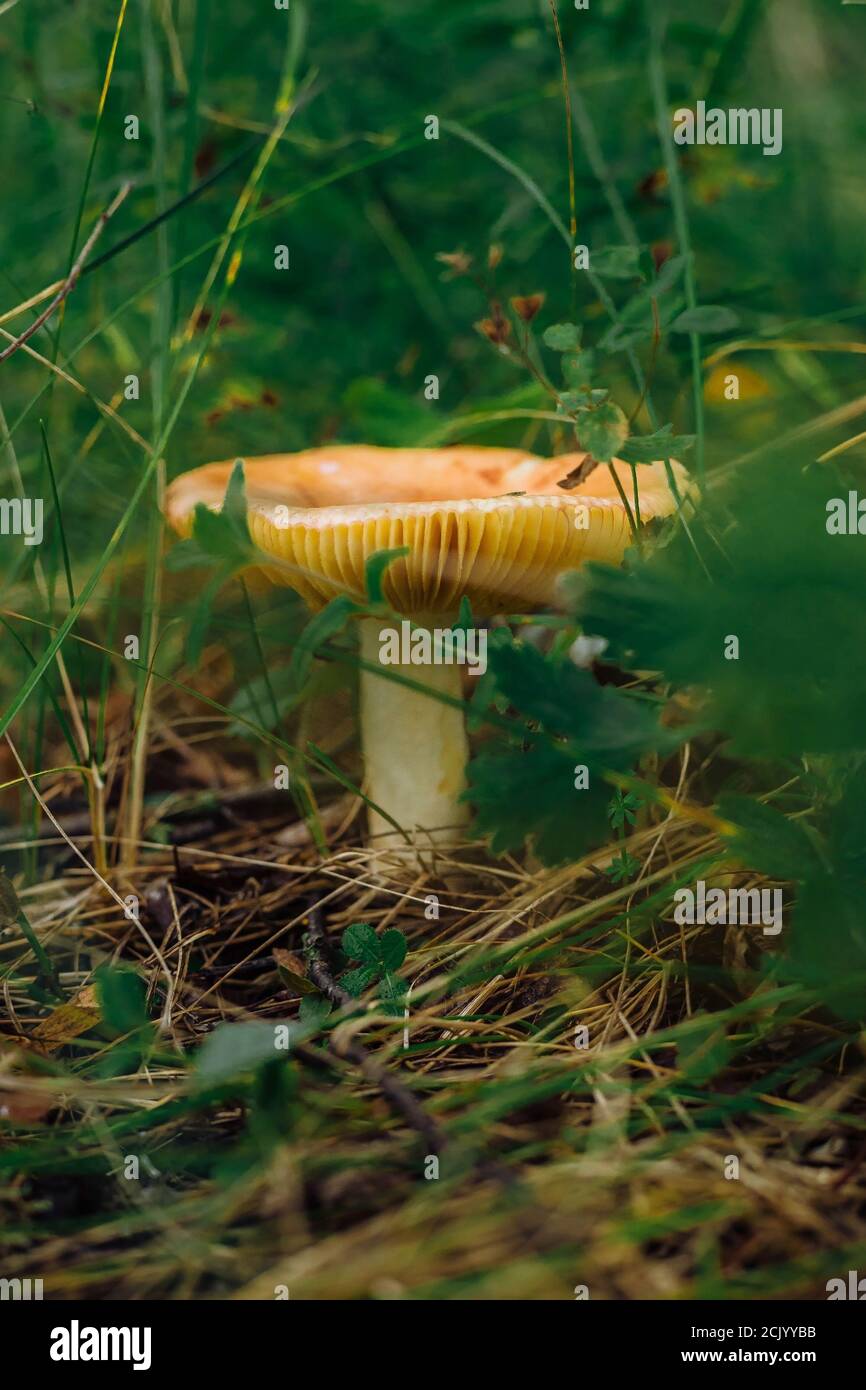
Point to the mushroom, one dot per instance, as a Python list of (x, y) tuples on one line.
[(487, 523)]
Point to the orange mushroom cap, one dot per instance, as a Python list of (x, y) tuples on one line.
[(488, 523)]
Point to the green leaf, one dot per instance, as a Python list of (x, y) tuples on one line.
[(767, 840), (827, 947), (360, 942), (221, 536), (602, 431), (562, 336), (670, 273), (374, 571), (625, 334), (314, 1009), (601, 721), (465, 620), (649, 448), (234, 507), (392, 946), (706, 318), (122, 997), (326, 624), (617, 262), (201, 616), (392, 992), (528, 793), (703, 1052), (253, 700), (636, 320), (623, 868), (578, 368), (623, 809), (556, 793), (354, 982), (572, 401), (233, 1049), (221, 539)]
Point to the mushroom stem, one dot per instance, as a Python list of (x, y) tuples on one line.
[(415, 747)]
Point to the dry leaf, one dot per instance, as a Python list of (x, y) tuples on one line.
[(68, 1020), (292, 970)]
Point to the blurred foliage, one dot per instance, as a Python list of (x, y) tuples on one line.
[(759, 566), (548, 779), (756, 566), (341, 343)]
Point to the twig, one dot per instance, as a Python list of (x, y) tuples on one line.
[(256, 966), (398, 1095), (72, 278), (107, 411)]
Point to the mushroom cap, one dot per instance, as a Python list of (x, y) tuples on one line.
[(320, 514)]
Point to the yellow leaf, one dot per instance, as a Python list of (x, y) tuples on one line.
[(67, 1021)]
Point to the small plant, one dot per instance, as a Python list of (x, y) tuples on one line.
[(379, 957), (623, 809), (624, 867)]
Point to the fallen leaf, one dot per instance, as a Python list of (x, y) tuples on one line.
[(293, 972), (68, 1021)]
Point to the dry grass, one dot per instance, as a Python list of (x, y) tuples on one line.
[(563, 1166)]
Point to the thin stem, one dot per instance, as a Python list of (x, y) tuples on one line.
[(569, 137), (72, 278), (656, 21)]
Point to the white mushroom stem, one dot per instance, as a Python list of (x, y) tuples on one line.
[(415, 748)]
